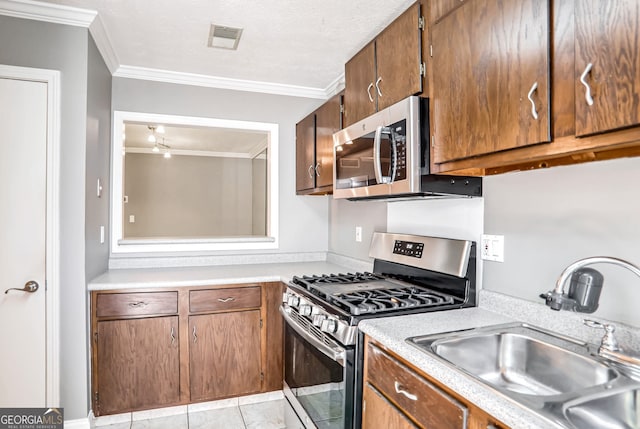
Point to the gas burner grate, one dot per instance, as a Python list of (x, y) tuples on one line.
[(380, 300), (348, 278)]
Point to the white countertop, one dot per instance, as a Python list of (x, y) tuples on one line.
[(210, 275)]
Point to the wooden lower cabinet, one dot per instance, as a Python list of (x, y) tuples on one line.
[(138, 364), (378, 412), (163, 347), (225, 355), (400, 396)]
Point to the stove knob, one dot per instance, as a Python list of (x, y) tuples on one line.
[(318, 319), (285, 298), (293, 301), (329, 325), (305, 310)]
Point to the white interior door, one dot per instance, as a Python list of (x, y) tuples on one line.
[(23, 203)]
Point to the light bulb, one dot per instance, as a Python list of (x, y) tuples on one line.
[(167, 154), (160, 129), (151, 138), (155, 149)]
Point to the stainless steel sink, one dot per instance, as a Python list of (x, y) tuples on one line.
[(615, 410), (557, 377), (522, 360)]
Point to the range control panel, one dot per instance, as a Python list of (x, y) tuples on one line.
[(408, 248)]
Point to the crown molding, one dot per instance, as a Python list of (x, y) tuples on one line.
[(57, 14), (100, 36), (143, 73), (335, 86)]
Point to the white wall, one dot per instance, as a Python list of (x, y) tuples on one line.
[(551, 218), (345, 215), (303, 220)]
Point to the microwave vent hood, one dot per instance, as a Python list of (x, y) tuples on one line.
[(387, 156)]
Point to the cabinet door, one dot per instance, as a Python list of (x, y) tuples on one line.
[(398, 59), (606, 36), (359, 82), (377, 412), (490, 78), (225, 355), (328, 121), (138, 364), (305, 153)]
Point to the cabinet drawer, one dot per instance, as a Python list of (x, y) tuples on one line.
[(418, 398), (136, 304), (224, 299)]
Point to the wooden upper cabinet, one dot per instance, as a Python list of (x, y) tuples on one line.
[(359, 85), (490, 84), (305, 153), (607, 65), (328, 122), (386, 70), (138, 364)]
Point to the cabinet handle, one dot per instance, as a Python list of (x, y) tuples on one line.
[(138, 304), (195, 337), (318, 167), (173, 336), (533, 89), (401, 391), (369, 92), (226, 299), (583, 77), (310, 171), (378, 86)]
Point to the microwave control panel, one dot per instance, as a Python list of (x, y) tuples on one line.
[(408, 248), (399, 139)]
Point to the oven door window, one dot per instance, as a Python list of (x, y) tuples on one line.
[(317, 382), (356, 160)]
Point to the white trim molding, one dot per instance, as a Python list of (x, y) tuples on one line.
[(167, 76), (39, 11), (101, 37), (77, 424), (52, 79)]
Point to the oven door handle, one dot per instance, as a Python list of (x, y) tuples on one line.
[(336, 354)]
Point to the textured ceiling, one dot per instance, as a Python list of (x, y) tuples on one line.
[(294, 42)]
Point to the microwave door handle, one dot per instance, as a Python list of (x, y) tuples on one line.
[(377, 162)]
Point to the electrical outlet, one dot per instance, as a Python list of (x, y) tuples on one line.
[(358, 234), (492, 248), (132, 218)]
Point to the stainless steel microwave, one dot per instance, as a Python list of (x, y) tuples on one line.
[(386, 155)]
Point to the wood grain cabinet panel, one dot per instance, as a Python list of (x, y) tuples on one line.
[(224, 299), (314, 148), (386, 70), (136, 304), (490, 78), (606, 38), (137, 364), (225, 358), (413, 394), (378, 412)]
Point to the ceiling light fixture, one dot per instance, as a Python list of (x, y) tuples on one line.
[(224, 37)]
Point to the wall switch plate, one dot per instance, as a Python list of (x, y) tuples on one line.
[(132, 218), (101, 234), (358, 234), (492, 248), (99, 189)]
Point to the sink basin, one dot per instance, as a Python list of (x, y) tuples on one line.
[(520, 359), (616, 410)]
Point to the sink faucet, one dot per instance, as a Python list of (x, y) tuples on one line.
[(588, 296)]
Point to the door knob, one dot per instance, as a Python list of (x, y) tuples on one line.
[(30, 286)]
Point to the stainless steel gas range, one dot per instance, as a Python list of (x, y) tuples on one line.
[(323, 358)]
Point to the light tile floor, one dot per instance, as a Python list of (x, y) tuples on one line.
[(261, 415)]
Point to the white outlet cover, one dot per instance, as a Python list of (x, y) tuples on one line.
[(492, 248)]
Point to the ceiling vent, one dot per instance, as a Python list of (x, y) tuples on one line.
[(224, 37)]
